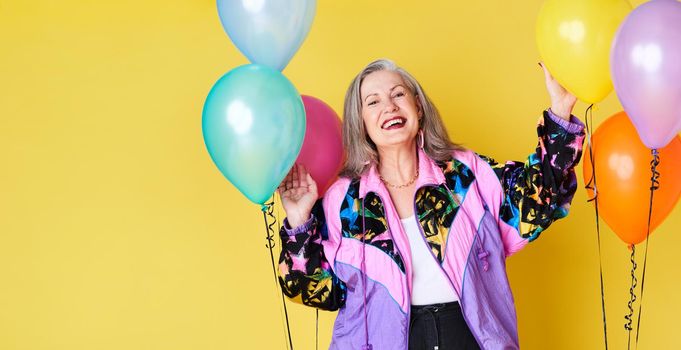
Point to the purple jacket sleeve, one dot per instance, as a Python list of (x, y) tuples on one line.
[(305, 274), (539, 190)]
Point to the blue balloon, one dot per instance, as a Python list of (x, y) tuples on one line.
[(268, 32), (254, 126)]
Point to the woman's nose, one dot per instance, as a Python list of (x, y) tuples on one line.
[(390, 106)]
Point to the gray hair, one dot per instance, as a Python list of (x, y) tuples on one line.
[(361, 151)]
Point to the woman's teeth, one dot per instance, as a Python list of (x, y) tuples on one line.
[(393, 122)]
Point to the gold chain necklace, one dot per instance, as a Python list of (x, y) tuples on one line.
[(400, 186)]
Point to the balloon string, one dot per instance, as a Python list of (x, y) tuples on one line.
[(591, 185), (316, 334), (268, 211), (632, 294), (654, 185), (278, 219)]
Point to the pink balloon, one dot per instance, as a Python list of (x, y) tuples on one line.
[(646, 69), (322, 151)]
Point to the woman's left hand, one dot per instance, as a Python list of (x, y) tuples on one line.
[(562, 101)]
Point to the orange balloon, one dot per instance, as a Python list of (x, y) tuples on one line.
[(623, 178)]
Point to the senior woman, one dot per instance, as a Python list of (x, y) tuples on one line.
[(410, 243)]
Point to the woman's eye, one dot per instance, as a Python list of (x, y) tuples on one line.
[(399, 94), (371, 103)]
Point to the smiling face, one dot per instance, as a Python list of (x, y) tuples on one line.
[(390, 110)]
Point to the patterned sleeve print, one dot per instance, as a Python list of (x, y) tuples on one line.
[(305, 274), (540, 190)]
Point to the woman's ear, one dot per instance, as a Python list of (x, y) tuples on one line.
[(419, 107)]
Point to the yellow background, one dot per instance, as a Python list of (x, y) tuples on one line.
[(117, 231)]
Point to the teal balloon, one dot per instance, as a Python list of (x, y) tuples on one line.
[(253, 126)]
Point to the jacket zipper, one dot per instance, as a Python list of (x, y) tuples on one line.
[(405, 266), (423, 236), (461, 303)]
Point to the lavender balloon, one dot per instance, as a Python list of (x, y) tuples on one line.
[(646, 68)]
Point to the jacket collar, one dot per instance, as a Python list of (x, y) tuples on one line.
[(429, 173)]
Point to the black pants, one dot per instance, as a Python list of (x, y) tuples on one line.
[(440, 327)]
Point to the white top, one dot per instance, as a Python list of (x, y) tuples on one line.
[(430, 285)]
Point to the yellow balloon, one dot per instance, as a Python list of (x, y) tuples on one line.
[(574, 39)]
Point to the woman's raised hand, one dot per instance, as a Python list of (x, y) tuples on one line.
[(562, 101), (298, 192)]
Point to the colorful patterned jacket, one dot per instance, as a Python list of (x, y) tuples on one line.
[(354, 256)]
